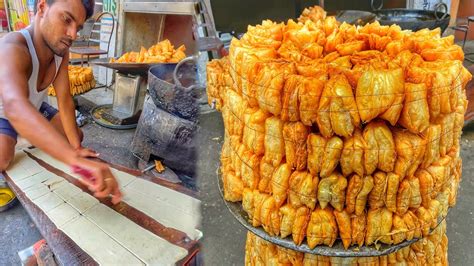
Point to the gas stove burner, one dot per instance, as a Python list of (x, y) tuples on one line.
[(105, 116)]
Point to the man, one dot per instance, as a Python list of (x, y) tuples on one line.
[(30, 60)]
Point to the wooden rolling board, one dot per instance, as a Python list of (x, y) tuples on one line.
[(153, 225)]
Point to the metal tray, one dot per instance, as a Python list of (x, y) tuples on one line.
[(354, 17), (337, 250), (129, 68)]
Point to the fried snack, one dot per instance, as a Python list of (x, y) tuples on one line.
[(332, 153), (270, 217), (300, 224), (314, 13), (352, 155), (308, 190), (361, 199), (380, 149), (248, 202), (393, 181), (233, 187), (295, 135), (377, 91), (254, 130), (290, 111), (81, 80), (415, 197), (258, 200), (403, 197), (266, 173), (270, 81), (162, 52), (447, 130), (432, 135), (309, 94), (378, 193), (358, 226), (322, 228), (415, 115), (280, 183), (344, 225), (379, 225), (250, 169), (274, 141), (332, 190), (353, 189), (337, 109), (316, 145), (288, 217), (294, 195), (399, 229)]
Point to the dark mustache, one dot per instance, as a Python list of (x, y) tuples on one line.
[(68, 41)]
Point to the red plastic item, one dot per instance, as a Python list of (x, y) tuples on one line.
[(86, 174)]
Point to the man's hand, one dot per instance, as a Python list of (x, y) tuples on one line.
[(98, 178), (86, 153)]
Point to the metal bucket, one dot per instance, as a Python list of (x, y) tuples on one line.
[(174, 89)]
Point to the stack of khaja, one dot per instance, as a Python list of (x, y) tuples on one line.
[(432, 250), (162, 52), (81, 80), (337, 132)]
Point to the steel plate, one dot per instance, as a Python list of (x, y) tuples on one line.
[(129, 68), (337, 250)]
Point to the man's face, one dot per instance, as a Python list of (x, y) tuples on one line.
[(60, 23)]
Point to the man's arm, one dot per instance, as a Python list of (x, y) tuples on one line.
[(24, 117), (14, 70), (66, 104)]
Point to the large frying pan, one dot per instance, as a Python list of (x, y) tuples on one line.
[(413, 19)]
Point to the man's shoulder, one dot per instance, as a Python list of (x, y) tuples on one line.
[(14, 45)]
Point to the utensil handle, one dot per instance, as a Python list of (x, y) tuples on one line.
[(376, 8), (175, 72), (438, 8)]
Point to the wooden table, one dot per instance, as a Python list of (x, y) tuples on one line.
[(68, 253)]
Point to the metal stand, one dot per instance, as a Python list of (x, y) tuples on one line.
[(129, 94)]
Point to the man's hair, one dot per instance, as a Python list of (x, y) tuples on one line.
[(88, 5)]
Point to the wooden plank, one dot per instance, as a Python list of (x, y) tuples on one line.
[(69, 252), (64, 249)]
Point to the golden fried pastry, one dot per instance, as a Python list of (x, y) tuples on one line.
[(415, 197), (258, 200), (343, 220), (358, 227), (162, 52), (254, 130), (415, 115), (308, 190), (322, 228), (309, 94), (332, 190), (248, 202), (295, 134), (378, 193), (376, 91), (250, 169), (399, 229), (266, 174), (353, 154), (233, 187), (290, 111), (393, 181), (432, 136), (331, 156), (288, 217), (353, 189), (380, 149), (316, 147), (361, 199), (280, 183), (403, 197), (270, 81), (270, 217), (274, 141), (379, 225), (300, 224)]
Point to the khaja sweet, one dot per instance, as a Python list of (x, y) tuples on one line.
[(81, 80), (162, 52), (75, 212), (335, 132), (432, 250)]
